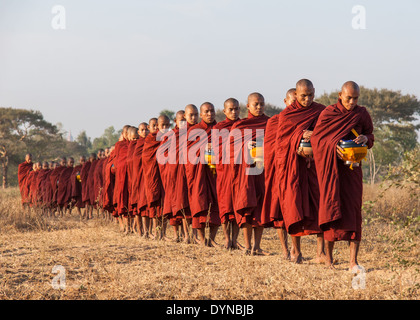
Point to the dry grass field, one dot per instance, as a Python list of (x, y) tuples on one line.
[(100, 263)]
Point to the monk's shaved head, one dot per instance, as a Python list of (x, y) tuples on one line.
[(207, 112), (291, 92), (256, 104), (143, 130), (304, 83), (255, 95), (190, 107), (349, 95), (163, 117), (290, 97), (305, 92), (230, 101), (206, 104), (191, 114), (231, 109), (350, 85), (163, 123)]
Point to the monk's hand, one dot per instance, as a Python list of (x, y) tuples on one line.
[(361, 139), (340, 151), (252, 145), (307, 135)]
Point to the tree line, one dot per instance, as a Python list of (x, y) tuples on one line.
[(394, 116)]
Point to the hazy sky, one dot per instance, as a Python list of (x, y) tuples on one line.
[(121, 62)]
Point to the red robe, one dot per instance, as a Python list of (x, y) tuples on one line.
[(247, 182), (121, 180), (298, 185), (180, 202), (54, 179), (64, 187), (224, 179), (153, 183), (202, 194), (24, 169), (33, 191), (43, 179), (76, 187), (98, 182), (130, 159), (91, 183), (271, 205), (109, 183), (341, 189), (138, 191), (48, 190), (84, 173), (167, 167)]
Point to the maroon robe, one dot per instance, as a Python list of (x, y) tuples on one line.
[(298, 185), (121, 181), (271, 205), (64, 188), (224, 179), (153, 183), (33, 187), (54, 179), (98, 182), (109, 183), (24, 169), (91, 183), (180, 202), (247, 189), (43, 179), (138, 191), (130, 151), (341, 189), (76, 187), (84, 173), (202, 194)]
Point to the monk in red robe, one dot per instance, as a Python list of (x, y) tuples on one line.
[(98, 179), (132, 136), (121, 180), (296, 174), (341, 187), (84, 174), (153, 183), (168, 167), (202, 194), (271, 206), (248, 174), (109, 184), (48, 190), (54, 180), (76, 187), (64, 187), (23, 171), (180, 200), (138, 192), (33, 187), (224, 180), (42, 180)]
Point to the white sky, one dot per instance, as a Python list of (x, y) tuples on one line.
[(122, 62)]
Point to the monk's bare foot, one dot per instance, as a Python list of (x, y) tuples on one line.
[(260, 252), (296, 258), (238, 246), (286, 255), (247, 252), (228, 244), (321, 259)]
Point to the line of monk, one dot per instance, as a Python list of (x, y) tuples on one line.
[(293, 192)]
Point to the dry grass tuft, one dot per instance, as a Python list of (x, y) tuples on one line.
[(102, 263)]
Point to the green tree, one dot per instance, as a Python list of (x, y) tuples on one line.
[(108, 138), (23, 131)]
